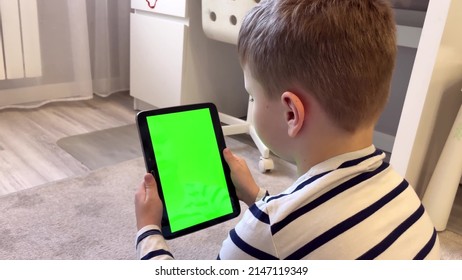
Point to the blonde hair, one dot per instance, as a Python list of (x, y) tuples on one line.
[(341, 51)]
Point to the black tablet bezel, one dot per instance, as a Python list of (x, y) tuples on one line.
[(151, 166)]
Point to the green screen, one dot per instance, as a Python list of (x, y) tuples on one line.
[(190, 169)]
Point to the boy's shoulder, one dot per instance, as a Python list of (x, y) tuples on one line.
[(358, 181)]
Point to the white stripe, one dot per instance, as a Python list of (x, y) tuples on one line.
[(373, 230), (413, 240), (336, 210)]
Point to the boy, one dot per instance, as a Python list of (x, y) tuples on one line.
[(319, 73)]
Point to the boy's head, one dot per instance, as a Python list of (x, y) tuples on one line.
[(340, 51)]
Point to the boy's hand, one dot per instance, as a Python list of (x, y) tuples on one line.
[(246, 188), (148, 206)]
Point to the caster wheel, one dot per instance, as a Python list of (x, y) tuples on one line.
[(265, 165)]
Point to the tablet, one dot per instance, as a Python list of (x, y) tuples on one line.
[(183, 149)]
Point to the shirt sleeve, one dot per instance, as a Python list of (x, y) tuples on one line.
[(150, 244), (251, 238)]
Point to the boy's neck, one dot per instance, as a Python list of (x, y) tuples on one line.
[(332, 144)]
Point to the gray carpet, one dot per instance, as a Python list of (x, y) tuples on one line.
[(455, 219), (92, 216), (104, 147)]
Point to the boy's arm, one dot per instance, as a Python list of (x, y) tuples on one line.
[(247, 190), (150, 244)]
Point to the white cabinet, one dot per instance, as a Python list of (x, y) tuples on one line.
[(173, 63), (156, 63), (175, 8)]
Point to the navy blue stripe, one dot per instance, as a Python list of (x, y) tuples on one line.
[(347, 224), (260, 215), (299, 187), (146, 234), (156, 253), (276, 227), (393, 236), (218, 257), (427, 248), (355, 162), (252, 251)]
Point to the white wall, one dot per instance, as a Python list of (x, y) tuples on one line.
[(409, 26)]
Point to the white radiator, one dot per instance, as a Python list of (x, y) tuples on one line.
[(20, 55)]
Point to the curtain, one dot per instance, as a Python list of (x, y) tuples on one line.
[(54, 50)]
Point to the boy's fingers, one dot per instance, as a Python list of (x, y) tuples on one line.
[(149, 184), (233, 160), (229, 156)]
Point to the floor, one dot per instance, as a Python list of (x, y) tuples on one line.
[(29, 155)]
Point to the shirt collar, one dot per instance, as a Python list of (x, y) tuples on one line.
[(335, 162)]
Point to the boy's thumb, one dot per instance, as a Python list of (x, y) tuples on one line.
[(229, 157), (149, 183)]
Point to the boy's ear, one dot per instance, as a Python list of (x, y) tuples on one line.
[(294, 111)]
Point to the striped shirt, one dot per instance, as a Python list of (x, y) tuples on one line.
[(353, 206)]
